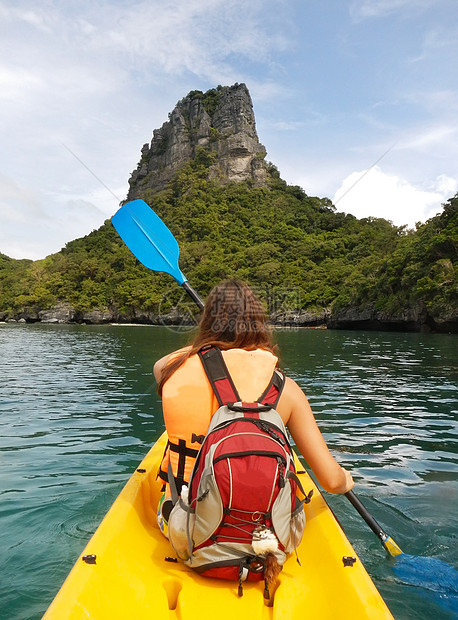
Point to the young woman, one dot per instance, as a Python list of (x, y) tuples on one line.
[(234, 321)]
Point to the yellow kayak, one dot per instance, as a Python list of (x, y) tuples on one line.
[(125, 571)]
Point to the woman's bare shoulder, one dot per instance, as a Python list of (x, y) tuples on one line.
[(293, 391), (292, 400), (163, 361)]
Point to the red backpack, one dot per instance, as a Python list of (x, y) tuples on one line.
[(241, 513)]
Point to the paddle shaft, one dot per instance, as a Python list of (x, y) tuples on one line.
[(386, 540), (149, 239), (368, 518), (193, 294)]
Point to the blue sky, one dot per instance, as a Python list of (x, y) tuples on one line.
[(356, 100)]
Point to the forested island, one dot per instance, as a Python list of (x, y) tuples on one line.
[(206, 177)]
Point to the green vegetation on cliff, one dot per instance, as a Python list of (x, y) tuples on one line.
[(296, 250), (423, 269)]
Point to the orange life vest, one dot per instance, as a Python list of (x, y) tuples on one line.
[(188, 403)]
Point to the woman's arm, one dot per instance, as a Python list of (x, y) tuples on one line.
[(309, 441)]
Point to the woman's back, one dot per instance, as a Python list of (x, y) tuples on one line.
[(189, 401)]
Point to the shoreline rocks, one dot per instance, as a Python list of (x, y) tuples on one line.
[(414, 319)]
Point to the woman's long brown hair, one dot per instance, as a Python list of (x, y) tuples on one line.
[(233, 318)]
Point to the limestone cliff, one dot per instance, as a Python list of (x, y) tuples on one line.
[(220, 121)]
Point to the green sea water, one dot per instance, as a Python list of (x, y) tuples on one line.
[(78, 411)]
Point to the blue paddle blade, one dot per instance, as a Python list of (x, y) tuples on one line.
[(148, 238), (433, 576)]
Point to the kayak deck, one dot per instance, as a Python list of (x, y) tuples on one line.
[(132, 579)]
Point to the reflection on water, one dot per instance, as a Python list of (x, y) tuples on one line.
[(78, 410)]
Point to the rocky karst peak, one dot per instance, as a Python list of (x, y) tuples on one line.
[(219, 122)]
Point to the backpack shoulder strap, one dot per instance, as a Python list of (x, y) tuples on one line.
[(218, 375), (272, 393), (223, 386)]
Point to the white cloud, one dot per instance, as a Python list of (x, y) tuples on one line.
[(15, 83), (14, 196), (437, 40), (35, 236), (424, 139), (35, 223), (287, 125), (445, 186), (266, 90), (100, 76), (373, 193), (195, 36), (26, 15), (364, 9)]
